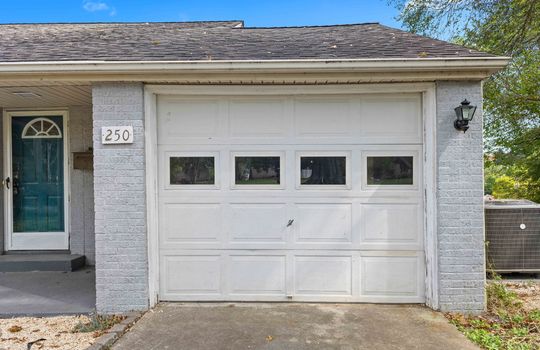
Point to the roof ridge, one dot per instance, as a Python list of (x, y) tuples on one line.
[(315, 26), (239, 21)]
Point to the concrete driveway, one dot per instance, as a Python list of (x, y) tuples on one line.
[(239, 326)]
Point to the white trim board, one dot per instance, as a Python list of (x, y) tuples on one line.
[(430, 198), (331, 89), (151, 172)]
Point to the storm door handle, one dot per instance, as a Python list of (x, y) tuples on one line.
[(7, 181)]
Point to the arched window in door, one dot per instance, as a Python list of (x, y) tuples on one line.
[(41, 128)]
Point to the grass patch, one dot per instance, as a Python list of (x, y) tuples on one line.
[(505, 326), (98, 324)]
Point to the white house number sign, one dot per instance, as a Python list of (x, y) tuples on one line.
[(116, 134)]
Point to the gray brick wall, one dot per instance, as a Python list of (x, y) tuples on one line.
[(460, 201), (81, 235), (1, 192), (120, 202)]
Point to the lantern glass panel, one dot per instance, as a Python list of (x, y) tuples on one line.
[(470, 112), (459, 113), (466, 111)]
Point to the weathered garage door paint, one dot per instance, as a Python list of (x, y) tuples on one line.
[(301, 198)]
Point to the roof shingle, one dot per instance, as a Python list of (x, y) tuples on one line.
[(202, 41)]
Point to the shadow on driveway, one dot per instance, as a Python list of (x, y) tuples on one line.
[(292, 326), (47, 293)]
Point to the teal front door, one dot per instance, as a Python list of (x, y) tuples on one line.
[(36, 183)]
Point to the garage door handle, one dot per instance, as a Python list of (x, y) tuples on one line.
[(290, 222)]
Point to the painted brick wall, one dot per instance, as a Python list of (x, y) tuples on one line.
[(460, 201), (120, 202), (82, 186), (1, 192)]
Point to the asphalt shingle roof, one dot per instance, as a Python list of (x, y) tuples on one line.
[(194, 41)]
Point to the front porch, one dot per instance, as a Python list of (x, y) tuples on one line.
[(47, 246), (47, 293), (61, 220)]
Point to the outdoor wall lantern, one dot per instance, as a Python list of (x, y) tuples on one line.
[(465, 114)]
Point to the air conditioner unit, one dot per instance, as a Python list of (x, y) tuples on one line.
[(512, 235)]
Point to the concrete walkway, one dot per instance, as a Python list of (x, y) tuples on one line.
[(47, 293), (292, 326)]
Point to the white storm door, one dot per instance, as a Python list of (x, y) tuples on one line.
[(35, 181)]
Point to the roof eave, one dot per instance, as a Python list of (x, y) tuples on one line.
[(479, 63), (481, 66)]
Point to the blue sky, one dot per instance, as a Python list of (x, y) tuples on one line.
[(254, 12)]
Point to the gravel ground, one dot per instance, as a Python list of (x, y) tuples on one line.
[(529, 292), (16, 333)]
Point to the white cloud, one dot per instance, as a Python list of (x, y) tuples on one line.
[(93, 6), (113, 12)]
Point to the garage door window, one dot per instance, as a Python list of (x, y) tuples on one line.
[(192, 170), (323, 170), (257, 171), (390, 170)]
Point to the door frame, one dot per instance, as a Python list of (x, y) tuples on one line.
[(7, 171), (428, 161)]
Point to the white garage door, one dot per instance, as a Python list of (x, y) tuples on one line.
[(306, 198)]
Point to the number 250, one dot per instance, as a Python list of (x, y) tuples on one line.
[(117, 135)]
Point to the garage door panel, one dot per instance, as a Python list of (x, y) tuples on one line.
[(257, 275), (323, 118), (199, 118), (323, 275), (191, 223), (386, 119), (391, 275), (323, 223), (191, 275), (258, 223), (265, 118), (391, 116), (391, 223)]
